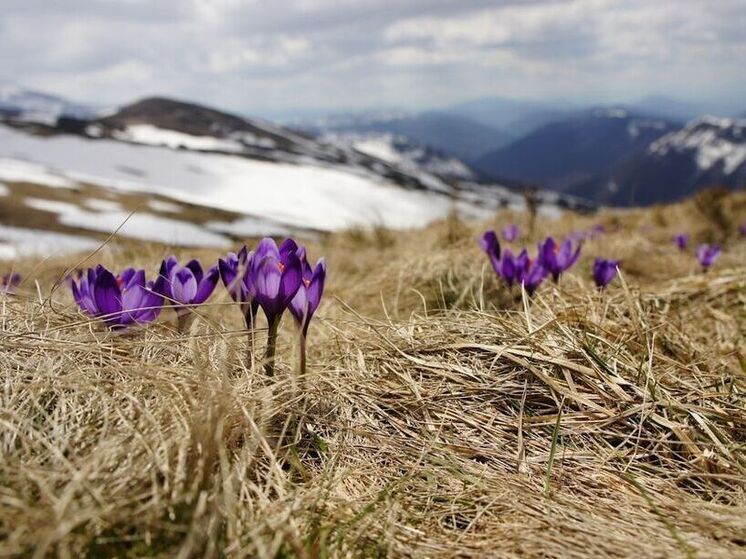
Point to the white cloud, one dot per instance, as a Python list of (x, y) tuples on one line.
[(250, 54)]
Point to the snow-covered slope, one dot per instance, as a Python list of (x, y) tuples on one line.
[(707, 151), (312, 196), (710, 141), (404, 153)]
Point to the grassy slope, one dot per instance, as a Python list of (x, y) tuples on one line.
[(440, 413)]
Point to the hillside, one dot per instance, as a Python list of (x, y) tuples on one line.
[(453, 134), (707, 151), (581, 149), (441, 414)]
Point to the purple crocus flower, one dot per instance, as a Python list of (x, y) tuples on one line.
[(120, 301), (276, 275), (707, 255), (681, 240), (187, 285), (508, 267), (522, 270), (535, 274), (9, 283), (235, 271), (604, 271), (557, 259), (491, 246), (742, 229), (510, 232), (307, 299), (513, 269)]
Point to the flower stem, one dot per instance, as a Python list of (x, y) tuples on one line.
[(269, 356), (302, 346), (181, 322)]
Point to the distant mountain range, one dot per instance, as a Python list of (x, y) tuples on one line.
[(454, 134), (576, 150), (619, 155), (707, 151)]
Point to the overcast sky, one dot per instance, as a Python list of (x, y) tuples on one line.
[(250, 55)]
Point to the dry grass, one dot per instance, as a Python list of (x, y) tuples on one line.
[(441, 415)]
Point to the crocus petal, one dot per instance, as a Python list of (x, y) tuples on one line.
[(228, 269), (126, 276), (168, 264), (266, 247), (106, 294), (206, 286), (133, 293), (491, 246), (288, 246), (196, 269), (268, 278), (316, 287), (183, 285), (292, 277), (298, 306)]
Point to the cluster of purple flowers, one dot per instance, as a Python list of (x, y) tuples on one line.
[(274, 279), (551, 259), (706, 254), (271, 278)]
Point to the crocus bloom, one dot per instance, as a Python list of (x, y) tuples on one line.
[(307, 299), (186, 285), (9, 283), (533, 276), (120, 301), (742, 229), (235, 271), (707, 255), (522, 270), (604, 271), (276, 275), (681, 240), (510, 232), (507, 267), (557, 259), (491, 246)]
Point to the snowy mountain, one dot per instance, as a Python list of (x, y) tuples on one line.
[(452, 134), (577, 151), (33, 106), (707, 151), (404, 153)]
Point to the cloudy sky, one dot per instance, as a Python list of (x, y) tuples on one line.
[(253, 55)]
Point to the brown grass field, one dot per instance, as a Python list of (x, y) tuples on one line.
[(441, 414)]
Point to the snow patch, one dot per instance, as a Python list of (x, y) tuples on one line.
[(154, 136), (712, 140), (295, 195), (165, 207), (16, 242), (103, 205), (248, 227), (19, 170), (4, 190)]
